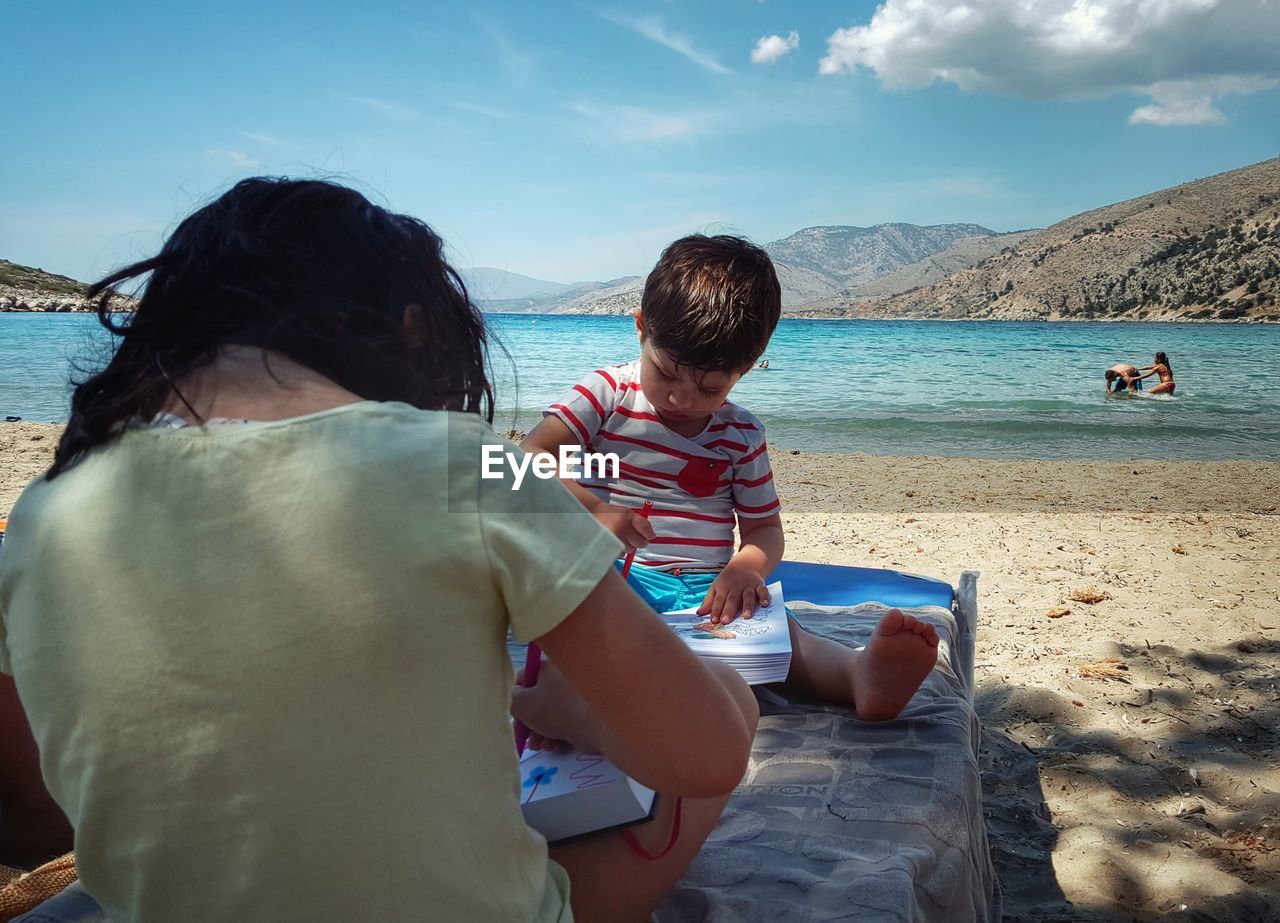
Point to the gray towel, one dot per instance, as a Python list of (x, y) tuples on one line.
[(839, 819)]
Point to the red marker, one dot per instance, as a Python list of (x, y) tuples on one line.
[(532, 664), (631, 555)]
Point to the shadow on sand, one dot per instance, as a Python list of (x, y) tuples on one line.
[(1177, 818)]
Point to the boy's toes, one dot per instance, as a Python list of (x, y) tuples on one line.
[(893, 621), (923, 629)]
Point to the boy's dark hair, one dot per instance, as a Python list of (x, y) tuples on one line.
[(712, 302), (307, 268)]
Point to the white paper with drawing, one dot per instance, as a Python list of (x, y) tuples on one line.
[(565, 794), (759, 648)]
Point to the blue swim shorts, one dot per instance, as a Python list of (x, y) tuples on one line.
[(664, 591)]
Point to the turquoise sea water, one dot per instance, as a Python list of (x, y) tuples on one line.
[(986, 390)]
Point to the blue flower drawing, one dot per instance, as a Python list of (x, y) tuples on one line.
[(539, 775)]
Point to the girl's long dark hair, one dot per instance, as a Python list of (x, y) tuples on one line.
[(1162, 359), (307, 268)]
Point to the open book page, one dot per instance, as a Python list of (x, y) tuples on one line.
[(759, 647)]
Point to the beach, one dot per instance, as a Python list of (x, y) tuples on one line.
[(1128, 659)]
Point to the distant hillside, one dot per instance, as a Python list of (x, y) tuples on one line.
[(823, 262), (13, 275), (486, 284), (1205, 250), (966, 252), (618, 296), (23, 288)]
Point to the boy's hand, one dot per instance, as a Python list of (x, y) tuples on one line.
[(627, 524), (735, 594)]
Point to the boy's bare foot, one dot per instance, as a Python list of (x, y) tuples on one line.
[(900, 654)]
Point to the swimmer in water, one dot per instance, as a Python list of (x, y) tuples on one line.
[(1161, 368), (1122, 377)]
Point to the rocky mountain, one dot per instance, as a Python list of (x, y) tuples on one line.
[(822, 261), (622, 296), (962, 254), (825, 262), (569, 299), (619, 296), (23, 288), (1205, 250), (573, 299), (486, 284)]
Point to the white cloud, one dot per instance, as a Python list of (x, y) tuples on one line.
[(743, 112), (772, 47), (1190, 102), (478, 109), (1071, 49), (653, 29), (238, 159), (262, 138), (1197, 110), (384, 107), (389, 109), (633, 124), (519, 63)]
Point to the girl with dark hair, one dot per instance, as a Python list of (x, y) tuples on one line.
[(1162, 368), (257, 608)]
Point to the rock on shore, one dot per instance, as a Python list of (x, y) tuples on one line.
[(25, 299)]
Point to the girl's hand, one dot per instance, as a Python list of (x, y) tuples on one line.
[(735, 594), (627, 524), (554, 713)]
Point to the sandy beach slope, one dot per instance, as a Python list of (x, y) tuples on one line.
[(1128, 659)]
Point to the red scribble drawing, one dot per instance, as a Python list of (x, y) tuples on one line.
[(587, 775)]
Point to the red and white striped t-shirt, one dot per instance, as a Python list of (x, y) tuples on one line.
[(697, 484)]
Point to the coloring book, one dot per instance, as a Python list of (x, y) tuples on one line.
[(759, 648)]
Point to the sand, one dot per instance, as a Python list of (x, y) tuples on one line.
[(1128, 663)]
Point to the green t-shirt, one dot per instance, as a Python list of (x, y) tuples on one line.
[(266, 665)]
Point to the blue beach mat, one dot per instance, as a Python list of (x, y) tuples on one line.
[(834, 585), (841, 586)]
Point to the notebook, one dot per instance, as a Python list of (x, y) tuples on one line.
[(759, 648), (566, 794)]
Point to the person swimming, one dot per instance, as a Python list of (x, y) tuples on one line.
[(1162, 368)]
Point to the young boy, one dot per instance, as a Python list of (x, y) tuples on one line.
[(706, 315)]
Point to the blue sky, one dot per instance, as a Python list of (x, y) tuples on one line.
[(570, 141)]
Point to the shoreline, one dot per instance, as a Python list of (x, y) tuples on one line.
[(913, 318), (63, 307), (515, 432), (1166, 658)]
